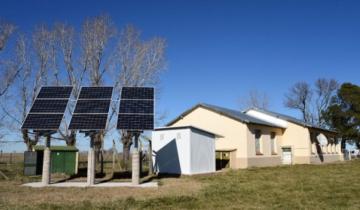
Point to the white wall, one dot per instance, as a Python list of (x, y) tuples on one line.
[(182, 151), (202, 153), (171, 154)]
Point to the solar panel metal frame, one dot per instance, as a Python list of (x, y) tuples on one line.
[(78, 114), (49, 113), (136, 114)]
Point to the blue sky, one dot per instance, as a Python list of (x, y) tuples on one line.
[(219, 50)]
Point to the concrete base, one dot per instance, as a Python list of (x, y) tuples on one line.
[(84, 184)]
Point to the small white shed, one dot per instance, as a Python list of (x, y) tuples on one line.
[(183, 150)]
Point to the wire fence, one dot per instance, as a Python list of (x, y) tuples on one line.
[(11, 157)]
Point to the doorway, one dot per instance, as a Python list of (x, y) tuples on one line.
[(286, 156)]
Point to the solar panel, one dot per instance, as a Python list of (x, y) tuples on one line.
[(88, 122), (49, 106), (137, 93), (136, 106), (55, 92), (96, 93), (42, 121), (135, 122), (92, 106), (136, 110)]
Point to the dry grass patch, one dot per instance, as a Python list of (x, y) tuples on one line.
[(330, 186)]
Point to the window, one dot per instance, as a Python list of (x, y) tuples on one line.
[(273, 143), (258, 146)]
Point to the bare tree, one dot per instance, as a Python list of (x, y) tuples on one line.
[(65, 40), (140, 63), (33, 75), (95, 36), (8, 70), (311, 102), (6, 29), (299, 97), (325, 90), (255, 99)]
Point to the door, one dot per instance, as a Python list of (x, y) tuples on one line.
[(57, 162), (286, 155), (222, 160)]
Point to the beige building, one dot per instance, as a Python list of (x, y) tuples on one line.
[(261, 138)]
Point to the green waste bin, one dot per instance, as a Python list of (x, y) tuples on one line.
[(64, 159)]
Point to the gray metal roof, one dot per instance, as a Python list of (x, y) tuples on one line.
[(236, 115), (288, 118)]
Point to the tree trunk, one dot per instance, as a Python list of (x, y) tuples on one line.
[(343, 145), (30, 143), (126, 139), (126, 155), (98, 150), (71, 139)]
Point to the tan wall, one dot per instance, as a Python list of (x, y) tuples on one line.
[(265, 140), (298, 137), (258, 161), (328, 158), (233, 132)]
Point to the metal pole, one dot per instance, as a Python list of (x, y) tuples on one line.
[(151, 169), (91, 162), (46, 164), (113, 156), (135, 175)]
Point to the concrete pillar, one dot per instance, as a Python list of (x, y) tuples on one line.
[(91, 163), (135, 175), (313, 148), (46, 162)]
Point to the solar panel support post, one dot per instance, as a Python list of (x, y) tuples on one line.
[(91, 161), (135, 175), (46, 162)]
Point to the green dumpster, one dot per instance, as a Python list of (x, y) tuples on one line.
[(64, 159)]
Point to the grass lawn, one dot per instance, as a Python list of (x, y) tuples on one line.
[(331, 186)]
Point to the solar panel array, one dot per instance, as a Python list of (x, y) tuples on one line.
[(136, 110), (48, 108), (92, 108)]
